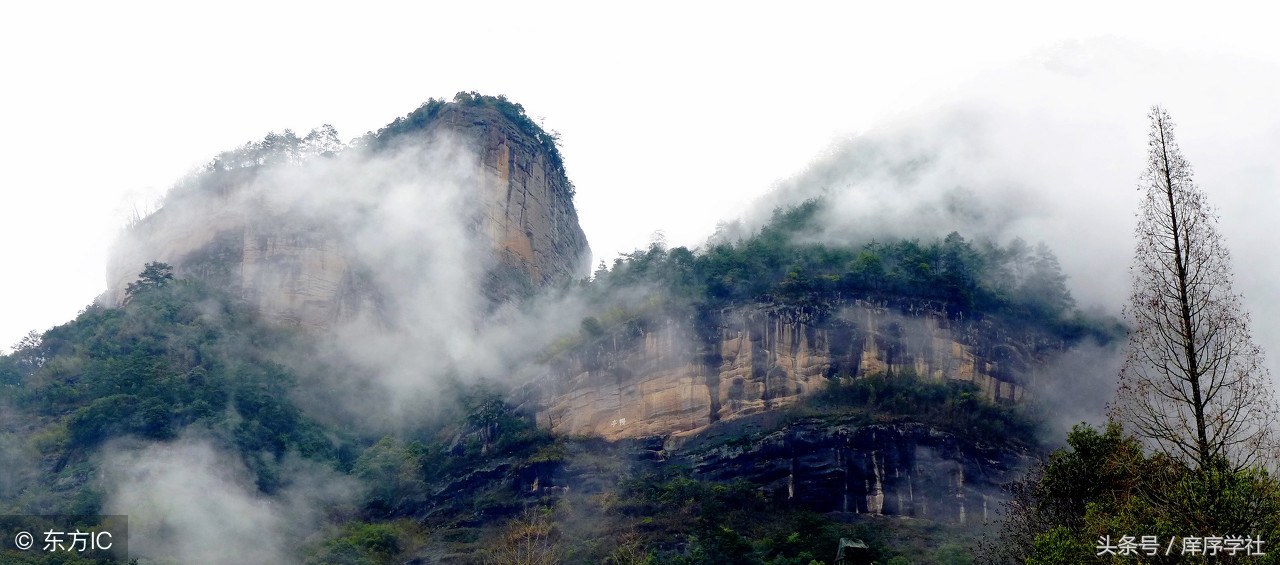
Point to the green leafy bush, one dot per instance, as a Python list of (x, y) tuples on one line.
[(783, 264), (955, 406)]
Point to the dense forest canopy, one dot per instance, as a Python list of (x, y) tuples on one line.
[(782, 264), (179, 354)]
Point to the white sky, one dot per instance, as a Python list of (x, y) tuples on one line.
[(673, 117)]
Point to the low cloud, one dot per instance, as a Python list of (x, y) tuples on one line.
[(190, 502), (1051, 150)]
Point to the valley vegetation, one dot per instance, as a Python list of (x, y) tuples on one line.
[(183, 359), (471, 481)]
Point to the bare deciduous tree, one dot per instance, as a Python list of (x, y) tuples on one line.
[(1193, 382), (529, 539)]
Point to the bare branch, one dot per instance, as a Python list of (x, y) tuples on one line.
[(1193, 383)]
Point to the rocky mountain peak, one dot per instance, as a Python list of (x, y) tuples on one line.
[(300, 226)]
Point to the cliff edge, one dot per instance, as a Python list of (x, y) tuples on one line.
[(282, 223)]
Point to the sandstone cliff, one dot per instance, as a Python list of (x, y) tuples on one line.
[(301, 266), (908, 470), (526, 201), (675, 378)]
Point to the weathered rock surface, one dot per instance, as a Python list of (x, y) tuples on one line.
[(676, 379), (526, 206), (299, 269), (889, 469), (902, 469)]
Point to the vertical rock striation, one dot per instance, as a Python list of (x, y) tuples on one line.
[(674, 378), (300, 268), (908, 470), (525, 207)]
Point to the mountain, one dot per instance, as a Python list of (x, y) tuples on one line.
[(292, 251), (760, 357), (387, 352)]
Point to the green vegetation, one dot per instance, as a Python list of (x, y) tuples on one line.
[(279, 148), (420, 118), (478, 478), (178, 355), (181, 358), (361, 543), (233, 167), (723, 523), (1102, 486), (1192, 390), (955, 406), (782, 265)]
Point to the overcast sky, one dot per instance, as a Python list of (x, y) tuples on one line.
[(673, 117)]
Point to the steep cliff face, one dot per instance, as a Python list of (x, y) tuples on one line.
[(677, 379), (890, 470), (526, 209), (304, 267)]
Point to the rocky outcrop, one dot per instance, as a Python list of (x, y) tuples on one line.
[(908, 470), (251, 231), (677, 377), (525, 200), (828, 466)]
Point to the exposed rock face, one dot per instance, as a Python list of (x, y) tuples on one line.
[(892, 470), (300, 269), (904, 469), (526, 206), (677, 379)]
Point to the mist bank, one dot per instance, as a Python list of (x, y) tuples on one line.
[(1050, 150), (333, 320), (411, 250)]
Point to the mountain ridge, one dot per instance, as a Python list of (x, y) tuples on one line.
[(395, 326), (299, 267)]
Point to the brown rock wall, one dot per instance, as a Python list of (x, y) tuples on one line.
[(660, 384), (300, 272)]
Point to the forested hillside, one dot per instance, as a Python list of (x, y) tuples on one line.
[(766, 398), (181, 361)]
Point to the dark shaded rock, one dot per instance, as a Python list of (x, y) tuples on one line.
[(904, 469), (853, 552)]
